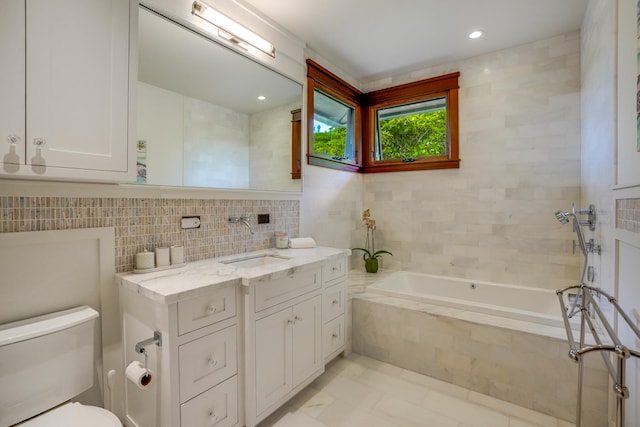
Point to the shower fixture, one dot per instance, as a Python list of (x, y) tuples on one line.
[(585, 247)]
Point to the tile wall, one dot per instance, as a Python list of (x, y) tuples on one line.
[(146, 222), (628, 215), (493, 219)]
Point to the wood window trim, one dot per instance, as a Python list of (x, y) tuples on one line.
[(441, 86), (324, 80), (365, 105), (296, 143)]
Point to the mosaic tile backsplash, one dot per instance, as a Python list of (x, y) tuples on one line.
[(628, 215), (141, 223)]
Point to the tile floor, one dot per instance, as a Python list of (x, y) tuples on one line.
[(358, 391)]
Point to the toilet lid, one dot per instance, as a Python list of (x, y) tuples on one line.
[(74, 415)]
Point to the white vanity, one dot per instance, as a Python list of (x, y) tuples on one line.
[(241, 335)]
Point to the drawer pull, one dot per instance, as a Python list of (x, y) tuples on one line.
[(296, 318), (211, 309), (290, 322), (334, 335), (335, 269), (212, 361), (335, 301)]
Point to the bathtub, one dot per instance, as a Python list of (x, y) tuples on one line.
[(511, 301), (505, 341)]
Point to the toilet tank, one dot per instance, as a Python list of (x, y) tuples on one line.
[(45, 361)]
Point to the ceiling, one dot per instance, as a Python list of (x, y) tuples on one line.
[(370, 39)]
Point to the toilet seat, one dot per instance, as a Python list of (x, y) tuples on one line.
[(74, 414)]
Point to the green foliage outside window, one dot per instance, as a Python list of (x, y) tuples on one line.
[(412, 136), (331, 142)]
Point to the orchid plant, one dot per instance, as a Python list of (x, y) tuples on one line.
[(370, 255)]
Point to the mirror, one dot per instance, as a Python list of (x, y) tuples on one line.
[(200, 122)]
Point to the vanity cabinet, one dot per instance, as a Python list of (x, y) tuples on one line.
[(294, 325), (287, 350), (334, 301), (283, 340), (237, 342), (197, 364), (64, 110)]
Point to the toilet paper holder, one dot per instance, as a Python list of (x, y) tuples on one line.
[(156, 339), (140, 347)]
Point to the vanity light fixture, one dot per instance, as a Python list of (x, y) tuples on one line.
[(231, 30), (475, 34)]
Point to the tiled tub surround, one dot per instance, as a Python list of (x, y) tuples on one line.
[(517, 361), (148, 222)]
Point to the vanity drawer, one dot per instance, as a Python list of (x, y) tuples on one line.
[(206, 310), (206, 362), (276, 291), (333, 301), (216, 407), (334, 269), (333, 336)]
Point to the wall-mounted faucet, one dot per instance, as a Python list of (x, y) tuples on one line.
[(242, 219)]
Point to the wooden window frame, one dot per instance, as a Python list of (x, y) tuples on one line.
[(438, 87), (365, 106), (324, 80), (296, 143)]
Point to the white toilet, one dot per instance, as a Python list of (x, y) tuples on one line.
[(44, 362)]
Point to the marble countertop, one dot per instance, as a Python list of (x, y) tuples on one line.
[(200, 277)]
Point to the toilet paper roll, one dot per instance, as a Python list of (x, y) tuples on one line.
[(137, 374)]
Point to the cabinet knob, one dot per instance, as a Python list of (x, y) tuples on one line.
[(290, 322), (39, 142), (296, 318), (211, 309), (13, 139), (212, 361), (335, 301), (334, 335), (213, 415), (334, 269)]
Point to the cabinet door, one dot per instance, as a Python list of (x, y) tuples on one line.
[(77, 84), (273, 358), (307, 341), (12, 83)]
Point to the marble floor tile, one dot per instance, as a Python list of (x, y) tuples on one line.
[(358, 391)]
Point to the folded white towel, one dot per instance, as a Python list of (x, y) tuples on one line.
[(302, 242)]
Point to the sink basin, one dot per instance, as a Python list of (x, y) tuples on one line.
[(255, 261)]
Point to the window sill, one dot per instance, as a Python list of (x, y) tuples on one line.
[(412, 166), (334, 164)]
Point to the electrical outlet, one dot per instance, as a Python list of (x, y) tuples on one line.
[(190, 222), (263, 219)]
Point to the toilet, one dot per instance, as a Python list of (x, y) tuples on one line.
[(45, 362)]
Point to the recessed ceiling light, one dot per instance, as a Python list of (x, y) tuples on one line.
[(262, 98), (475, 34)]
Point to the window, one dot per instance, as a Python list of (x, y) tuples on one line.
[(408, 127), (413, 126), (411, 131), (334, 122)]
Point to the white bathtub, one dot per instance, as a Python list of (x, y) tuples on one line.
[(512, 301)]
